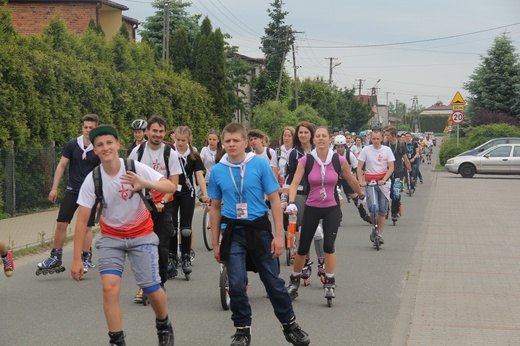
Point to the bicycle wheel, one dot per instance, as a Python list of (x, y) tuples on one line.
[(206, 231), (224, 288)]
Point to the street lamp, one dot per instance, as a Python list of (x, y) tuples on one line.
[(331, 68)]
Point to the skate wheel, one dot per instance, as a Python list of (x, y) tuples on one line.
[(329, 302), (44, 272), (306, 282), (187, 276), (38, 272)]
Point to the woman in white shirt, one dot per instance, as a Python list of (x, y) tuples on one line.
[(212, 152)]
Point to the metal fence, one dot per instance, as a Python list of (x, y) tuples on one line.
[(26, 176)]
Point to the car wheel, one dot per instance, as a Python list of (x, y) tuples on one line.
[(467, 170)]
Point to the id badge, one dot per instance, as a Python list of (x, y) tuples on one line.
[(241, 210), (323, 194)]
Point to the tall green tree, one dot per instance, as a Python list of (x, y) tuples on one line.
[(275, 45), (180, 52), (210, 68), (495, 85)]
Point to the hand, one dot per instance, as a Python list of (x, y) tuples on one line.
[(363, 184), (216, 253), (76, 270), (381, 182), (362, 200), (133, 179), (205, 199), (159, 207), (291, 209), (277, 247), (53, 195)]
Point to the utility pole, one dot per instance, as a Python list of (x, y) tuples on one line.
[(415, 108), (282, 65), (166, 31), (331, 68), (295, 76), (360, 85)]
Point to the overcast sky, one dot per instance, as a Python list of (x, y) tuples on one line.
[(433, 70)]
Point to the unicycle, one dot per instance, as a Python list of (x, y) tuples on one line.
[(374, 237)]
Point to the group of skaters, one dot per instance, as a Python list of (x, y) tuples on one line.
[(145, 206)]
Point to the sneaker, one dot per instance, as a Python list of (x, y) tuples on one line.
[(85, 267), (165, 333), (372, 238), (8, 264), (242, 337), (295, 335), (138, 298)]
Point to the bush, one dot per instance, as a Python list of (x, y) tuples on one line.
[(449, 149)]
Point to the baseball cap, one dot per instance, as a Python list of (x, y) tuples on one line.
[(103, 130)]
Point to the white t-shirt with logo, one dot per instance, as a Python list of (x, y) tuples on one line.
[(376, 160)]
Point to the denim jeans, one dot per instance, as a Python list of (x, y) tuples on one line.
[(269, 271)]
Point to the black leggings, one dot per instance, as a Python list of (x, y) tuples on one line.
[(183, 204), (311, 218)]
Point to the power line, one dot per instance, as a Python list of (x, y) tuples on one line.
[(417, 41)]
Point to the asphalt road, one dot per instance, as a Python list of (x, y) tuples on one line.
[(55, 310)]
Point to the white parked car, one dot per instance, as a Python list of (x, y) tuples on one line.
[(500, 159)]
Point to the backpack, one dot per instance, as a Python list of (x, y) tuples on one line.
[(335, 163), (100, 200), (268, 152), (166, 153)]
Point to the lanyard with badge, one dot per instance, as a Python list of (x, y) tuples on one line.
[(241, 208), (323, 192)]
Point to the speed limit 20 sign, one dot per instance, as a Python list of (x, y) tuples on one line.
[(457, 117)]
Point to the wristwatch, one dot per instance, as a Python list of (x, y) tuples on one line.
[(163, 201)]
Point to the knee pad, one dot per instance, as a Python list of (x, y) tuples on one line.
[(186, 232)]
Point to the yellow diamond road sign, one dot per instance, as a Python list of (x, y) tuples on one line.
[(458, 100)]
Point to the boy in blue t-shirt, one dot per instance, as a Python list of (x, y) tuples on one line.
[(239, 181)]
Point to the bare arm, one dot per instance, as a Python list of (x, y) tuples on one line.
[(202, 185), (163, 185), (277, 245), (215, 216), (76, 269), (58, 174)]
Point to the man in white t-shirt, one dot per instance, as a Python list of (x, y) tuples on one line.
[(152, 154), (379, 165), (126, 229), (256, 141)]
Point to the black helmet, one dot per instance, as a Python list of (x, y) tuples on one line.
[(139, 124)]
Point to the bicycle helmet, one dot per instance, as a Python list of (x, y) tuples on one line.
[(139, 124), (362, 133), (340, 140)]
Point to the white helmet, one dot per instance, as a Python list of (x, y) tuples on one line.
[(139, 124), (340, 140)]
